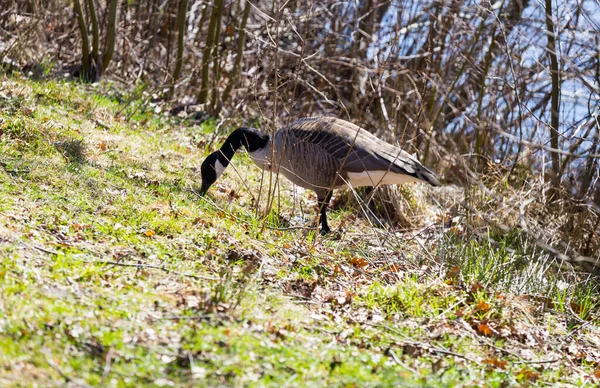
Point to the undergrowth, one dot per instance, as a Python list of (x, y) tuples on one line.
[(114, 272)]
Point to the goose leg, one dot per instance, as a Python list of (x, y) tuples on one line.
[(323, 199)]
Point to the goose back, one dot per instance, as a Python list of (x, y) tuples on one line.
[(326, 153)]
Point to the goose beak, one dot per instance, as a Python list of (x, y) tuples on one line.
[(204, 188), (209, 172)]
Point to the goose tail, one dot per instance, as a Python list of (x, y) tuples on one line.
[(426, 175)]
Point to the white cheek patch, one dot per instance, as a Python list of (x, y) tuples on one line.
[(219, 168)]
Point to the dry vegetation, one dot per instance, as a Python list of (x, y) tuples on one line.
[(502, 94), (113, 272)]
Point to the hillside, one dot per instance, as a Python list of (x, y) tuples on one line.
[(114, 273)]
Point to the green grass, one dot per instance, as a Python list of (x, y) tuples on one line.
[(114, 273)]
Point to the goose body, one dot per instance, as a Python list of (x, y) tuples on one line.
[(321, 154)]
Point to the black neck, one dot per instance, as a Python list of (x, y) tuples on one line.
[(250, 138)]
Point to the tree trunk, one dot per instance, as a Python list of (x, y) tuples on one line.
[(240, 53), (555, 107), (206, 54), (215, 56), (195, 79), (85, 41), (95, 33), (109, 47), (181, 12)]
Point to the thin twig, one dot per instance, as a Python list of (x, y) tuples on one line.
[(291, 228), (397, 361), (203, 317), (423, 346), (151, 266), (439, 350), (539, 362), (67, 378), (45, 250), (107, 363)]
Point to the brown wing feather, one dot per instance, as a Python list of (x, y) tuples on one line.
[(357, 149)]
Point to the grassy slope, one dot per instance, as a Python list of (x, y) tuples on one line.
[(113, 272)]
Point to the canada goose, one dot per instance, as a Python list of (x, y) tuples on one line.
[(320, 154)]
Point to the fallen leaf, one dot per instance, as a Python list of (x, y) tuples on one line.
[(150, 233), (411, 350), (482, 306), (528, 374), (493, 361), (349, 294), (359, 262), (453, 272), (475, 287), (484, 329), (77, 226)]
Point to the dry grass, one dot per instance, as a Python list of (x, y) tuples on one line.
[(114, 273)]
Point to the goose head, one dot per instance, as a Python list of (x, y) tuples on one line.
[(214, 165), (212, 168)]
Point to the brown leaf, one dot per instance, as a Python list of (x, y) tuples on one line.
[(359, 262), (349, 295), (436, 366), (484, 329), (482, 306), (528, 374), (493, 361), (576, 308), (303, 288), (337, 270), (249, 268), (453, 272), (78, 226), (411, 350), (475, 287)]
